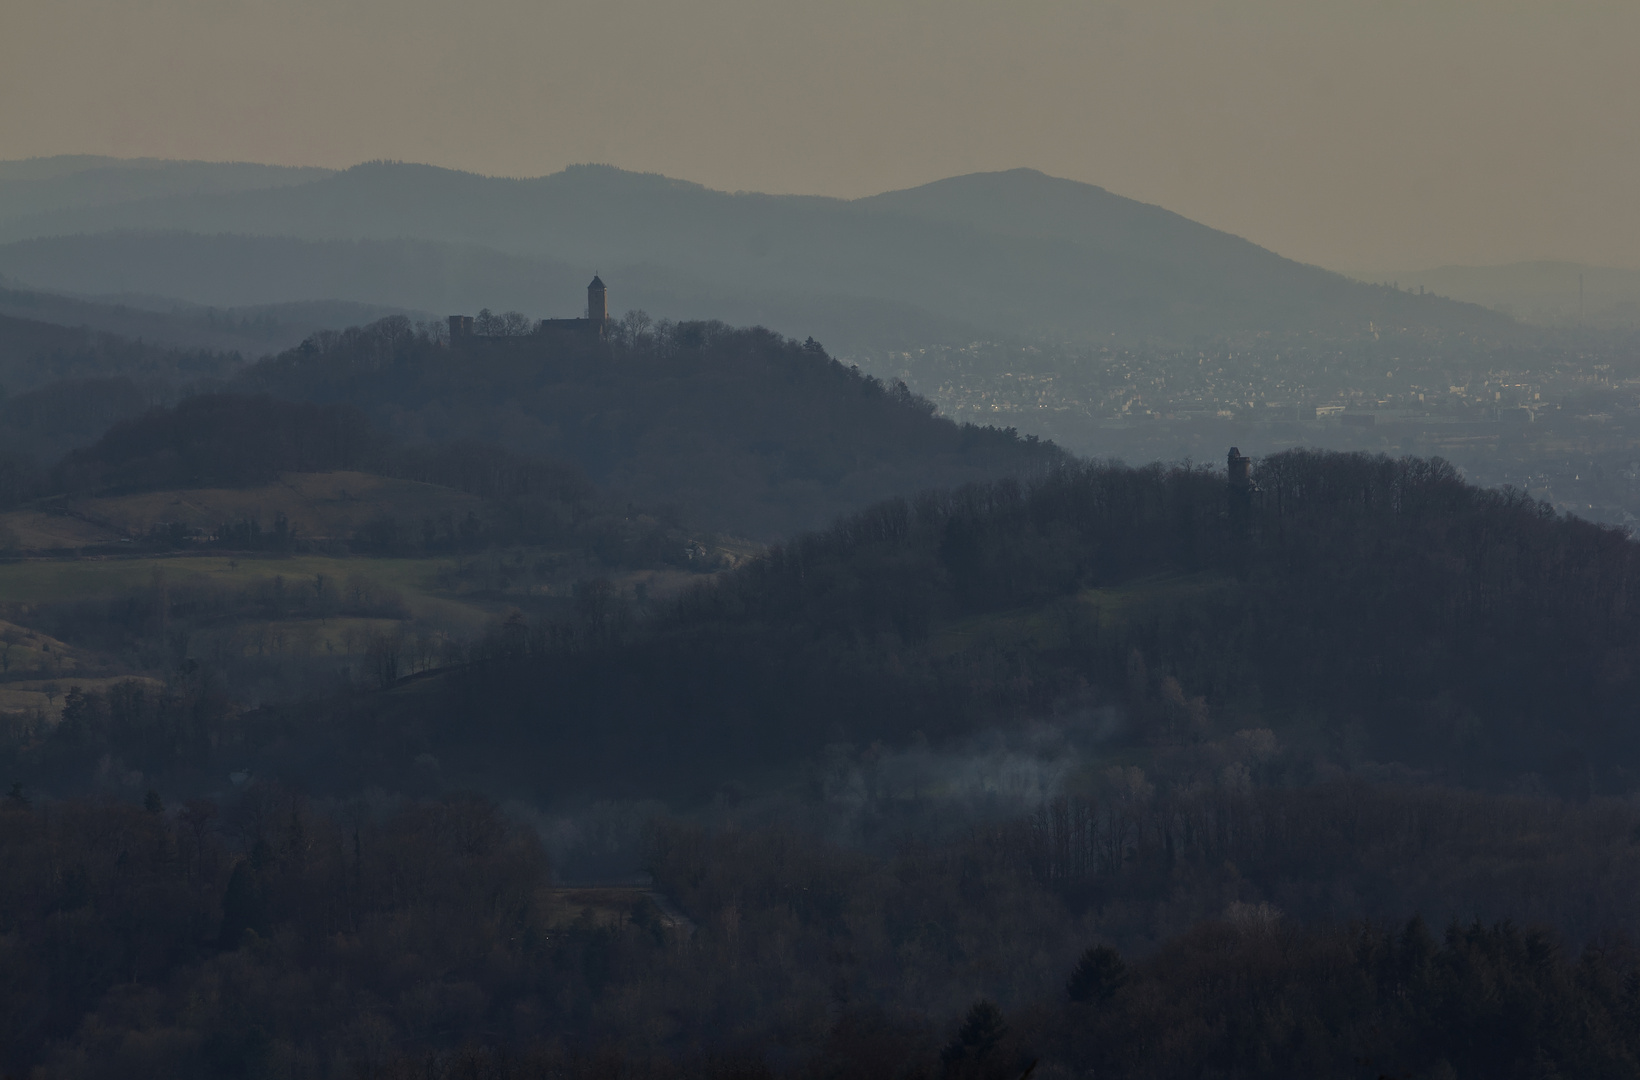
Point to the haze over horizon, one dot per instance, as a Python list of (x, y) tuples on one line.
[(1340, 135), (639, 541)]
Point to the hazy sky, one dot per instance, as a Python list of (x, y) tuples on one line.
[(1355, 135)]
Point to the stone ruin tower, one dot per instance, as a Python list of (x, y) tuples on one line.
[(1241, 487), (597, 300)]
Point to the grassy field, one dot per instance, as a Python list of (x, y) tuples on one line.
[(428, 586), (25, 649), (406, 586), (266, 617), (429, 605), (39, 580), (319, 506), (44, 697), (37, 530)]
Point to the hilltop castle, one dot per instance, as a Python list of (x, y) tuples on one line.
[(594, 324)]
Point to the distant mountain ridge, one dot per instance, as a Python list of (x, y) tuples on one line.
[(426, 276), (1006, 253), (43, 185), (1539, 291), (251, 330)]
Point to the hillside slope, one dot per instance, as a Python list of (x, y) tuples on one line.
[(35, 352), (77, 181), (1546, 292), (1007, 252), (1365, 612), (737, 431), (295, 283), (251, 330), (322, 507)]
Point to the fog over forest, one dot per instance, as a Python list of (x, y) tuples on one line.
[(710, 590)]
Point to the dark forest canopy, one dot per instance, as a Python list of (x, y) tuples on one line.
[(1280, 703), (63, 386), (238, 440), (738, 430), (224, 440), (41, 425), (34, 353), (262, 934), (1380, 612), (731, 430), (1380, 616), (221, 440), (493, 758)]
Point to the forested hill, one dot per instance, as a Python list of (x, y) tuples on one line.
[(1380, 617), (1012, 252), (62, 386), (736, 430), (1267, 696), (35, 186), (250, 331), (1363, 617), (35, 352), (70, 368)]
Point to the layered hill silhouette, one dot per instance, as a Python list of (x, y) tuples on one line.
[(70, 367), (42, 185), (713, 428), (36, 354), (1008, 252), (732, 430), (1356, 598), (282, 277), (1542, 291), (252, 330)]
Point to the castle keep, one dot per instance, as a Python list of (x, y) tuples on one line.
[(594, 324)]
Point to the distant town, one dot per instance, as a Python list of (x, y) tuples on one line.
[(1561, 424)]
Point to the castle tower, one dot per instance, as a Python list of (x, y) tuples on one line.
[(1242, 488), (597, 300)]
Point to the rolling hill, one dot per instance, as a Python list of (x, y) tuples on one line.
[(43, 185), (1000, 253), (251, 330), (319, 506), (35, 352), (1545, 292), (723, 429), (287, 282)]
